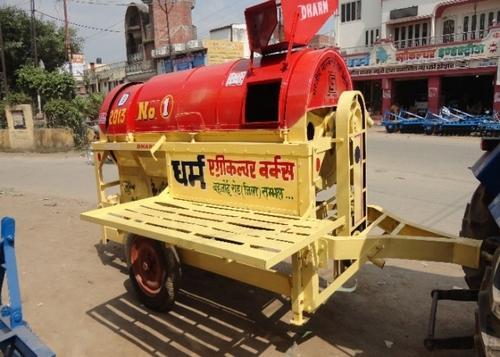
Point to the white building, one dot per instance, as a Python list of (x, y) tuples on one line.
[(427, 51)]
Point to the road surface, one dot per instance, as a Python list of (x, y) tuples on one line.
[(77, 294)]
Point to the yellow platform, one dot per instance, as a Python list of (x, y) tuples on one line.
[(254, 238)]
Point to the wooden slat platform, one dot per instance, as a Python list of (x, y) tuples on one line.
[(254, 238)]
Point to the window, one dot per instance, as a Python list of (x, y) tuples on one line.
[(410, 36), (371, 36), (417, 34), (403, 37), (491, 17), (448, 31), (482, 19), (396, 35), (18, 119), (498, 17), (466, 28), (424, 34), (473, 27), (350, 11)]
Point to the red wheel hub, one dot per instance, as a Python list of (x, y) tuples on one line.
[(148, 265)]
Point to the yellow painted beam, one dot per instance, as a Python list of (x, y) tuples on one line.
[(270, 280), (461, 251)]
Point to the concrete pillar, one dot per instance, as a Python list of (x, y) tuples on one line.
[(434, 94), (387, 94)]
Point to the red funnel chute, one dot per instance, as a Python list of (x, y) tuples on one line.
[(302, 19), (312, 15)]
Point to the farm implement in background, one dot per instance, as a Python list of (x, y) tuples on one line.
[(448, 121)]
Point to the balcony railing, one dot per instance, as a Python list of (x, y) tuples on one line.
[(140, 67), (104, 69), (471, 36), (442, 40)]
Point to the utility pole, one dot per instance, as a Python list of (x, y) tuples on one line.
[(2, 58), (34, 52), (67, 39)]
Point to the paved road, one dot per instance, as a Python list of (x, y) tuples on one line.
[(425, 179), (77, 296)]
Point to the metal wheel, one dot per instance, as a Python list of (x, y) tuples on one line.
[(154, 272)]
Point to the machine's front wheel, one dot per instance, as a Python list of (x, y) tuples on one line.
[(478, 224), (154, 272)]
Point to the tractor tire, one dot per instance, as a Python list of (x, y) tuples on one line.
[(478, 224), (487, 334), (154, 272)]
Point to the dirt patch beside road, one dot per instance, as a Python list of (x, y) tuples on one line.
[(76, 297)]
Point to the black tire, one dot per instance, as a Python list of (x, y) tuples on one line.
[(487, 334), (478, 223), (165, 261), (429, 130)]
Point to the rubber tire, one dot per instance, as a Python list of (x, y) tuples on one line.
[(478, 223), (165, 298)]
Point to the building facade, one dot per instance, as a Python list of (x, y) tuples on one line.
[(423, 55), (103, 78), (227, 43), (161, 38)]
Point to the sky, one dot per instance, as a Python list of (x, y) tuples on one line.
[(109, 14)]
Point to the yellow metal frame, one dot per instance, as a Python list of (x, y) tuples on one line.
[(245, 240)]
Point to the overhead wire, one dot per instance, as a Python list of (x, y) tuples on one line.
[(93, 2), (107, 28), (88, 27)]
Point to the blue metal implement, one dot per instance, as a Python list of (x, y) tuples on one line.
[(449, 121), (16, 338)]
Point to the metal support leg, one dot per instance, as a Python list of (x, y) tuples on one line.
[(455, 343), (297, 291)]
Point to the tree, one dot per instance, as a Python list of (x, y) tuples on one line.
[(16, 27), (49, 84)]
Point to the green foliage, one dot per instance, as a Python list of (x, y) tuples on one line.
[(58, 85), (89, 105), (14, 98), (16, 27), (62, 113), (73, 114), (50, 85), (30, 79)]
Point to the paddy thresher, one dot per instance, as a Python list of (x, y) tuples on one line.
[(235, 168)]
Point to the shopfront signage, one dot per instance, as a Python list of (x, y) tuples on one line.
[(422, 67)]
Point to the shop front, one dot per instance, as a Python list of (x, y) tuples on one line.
[(462, 75)]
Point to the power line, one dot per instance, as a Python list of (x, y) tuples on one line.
[(107, 28), (91, 2), (88, 27)]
